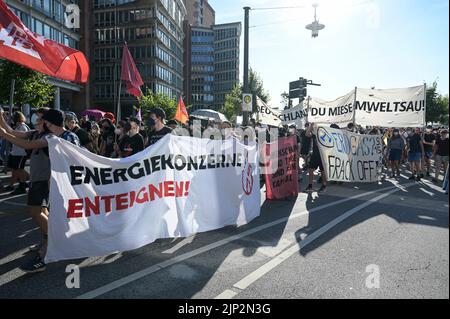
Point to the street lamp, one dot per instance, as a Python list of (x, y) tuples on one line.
[(315, 27)]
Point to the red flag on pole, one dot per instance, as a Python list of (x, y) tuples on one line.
[(181, 115), (18, 44), (130, 73)]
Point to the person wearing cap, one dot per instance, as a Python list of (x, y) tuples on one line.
[(441, 154), (110, 116), (50, 122), (157, 120), (395, 147), (135, 142), (73, 125)]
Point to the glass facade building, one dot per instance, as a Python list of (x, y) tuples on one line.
[(214, 65), (153, 31)]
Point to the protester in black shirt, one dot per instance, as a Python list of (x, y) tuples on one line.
[(441, 154), (315, 161), (157, 118), (107, 137), (83, 136), (416, 153), (429, 139), (135, 142)]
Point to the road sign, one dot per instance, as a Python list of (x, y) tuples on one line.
[(247, 102)]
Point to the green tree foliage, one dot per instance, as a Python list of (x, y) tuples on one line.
[(31, 87), (151, 100), (233, 101), (437, 106)]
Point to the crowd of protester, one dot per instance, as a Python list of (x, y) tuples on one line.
[(112, 138)]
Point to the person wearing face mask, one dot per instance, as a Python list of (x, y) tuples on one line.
[(107, 137), (157, 118), (395, 146), (121, 137), (429, 139), (415, 154), (94, 135), (441, 154), (135, 142), (51, 121)]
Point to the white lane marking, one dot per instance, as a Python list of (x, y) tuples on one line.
[(264, 269), (15, 204), (227, 294), (178, 246), (154, 268), (426, 192), (12, 197)]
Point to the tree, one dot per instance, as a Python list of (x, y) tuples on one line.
[(150, 100), (437, 106), (233, 100), (31, 87)]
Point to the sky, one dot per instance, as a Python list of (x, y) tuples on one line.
[(365, 43)]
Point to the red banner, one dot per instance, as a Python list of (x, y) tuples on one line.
[(284, 181), (18, 44)]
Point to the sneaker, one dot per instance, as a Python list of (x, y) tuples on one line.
[(412, 178), (322, 189), (8, 188), (18, 191), (309, 189), (35, 265), (418, 178), (35, 248)]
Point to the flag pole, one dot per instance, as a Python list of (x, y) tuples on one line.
[(11, 99), (425, 101), (354, 106)]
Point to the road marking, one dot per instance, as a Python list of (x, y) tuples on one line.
[(178, 246), (276, 261), (227, 294), (154, 268), (12, 197), (426, 192)]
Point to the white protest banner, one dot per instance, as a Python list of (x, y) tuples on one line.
[(178, 187), (339, 111), (269, 116), (350, 157), (391, 107)]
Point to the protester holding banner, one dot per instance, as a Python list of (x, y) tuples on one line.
[(51, 122), (315, 162), (415, 154)]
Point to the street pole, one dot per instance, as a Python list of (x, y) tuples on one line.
[(246, 44), (11, 98)]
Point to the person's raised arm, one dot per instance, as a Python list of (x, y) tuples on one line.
[(23, 143)]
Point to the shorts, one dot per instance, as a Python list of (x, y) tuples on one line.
[(395, 155), (441, 159), (428, 155), (16, 162), (414, 157), (38, 194), (315, 162)]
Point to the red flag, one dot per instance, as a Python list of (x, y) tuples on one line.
[(130, 73), (181, 115), (18, 44)]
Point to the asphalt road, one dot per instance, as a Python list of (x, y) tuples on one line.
[(355, 241)]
